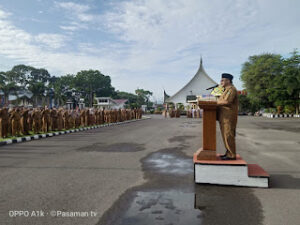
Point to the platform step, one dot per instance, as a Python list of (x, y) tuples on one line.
[(239, 160), (230, 172), (255, 170)]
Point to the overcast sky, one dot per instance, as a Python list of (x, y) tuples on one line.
[(150, 44)]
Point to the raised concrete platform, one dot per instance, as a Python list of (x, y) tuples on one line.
[(230, 172)]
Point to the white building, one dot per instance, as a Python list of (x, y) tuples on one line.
[(195, 87), (109, 103)]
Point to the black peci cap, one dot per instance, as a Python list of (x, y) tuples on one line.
[(227, 75)]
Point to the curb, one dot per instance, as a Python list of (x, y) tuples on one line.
[(57, 133), (271, 115)]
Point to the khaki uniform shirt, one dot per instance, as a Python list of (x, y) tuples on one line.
[(228, 113)]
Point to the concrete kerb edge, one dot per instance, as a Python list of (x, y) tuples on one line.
[(272, 115), (57, 133)]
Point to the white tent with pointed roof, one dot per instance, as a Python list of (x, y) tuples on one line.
[(196, 86)]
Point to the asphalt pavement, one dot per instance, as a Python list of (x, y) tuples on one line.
[(142, 173)]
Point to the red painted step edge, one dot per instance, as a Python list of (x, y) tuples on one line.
[(239, 161), (255, 170)]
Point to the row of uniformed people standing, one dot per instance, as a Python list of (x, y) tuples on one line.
[(191, 113), (173, 113), (21, 120)]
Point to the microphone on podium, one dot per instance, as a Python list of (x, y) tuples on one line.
[(213, 87)]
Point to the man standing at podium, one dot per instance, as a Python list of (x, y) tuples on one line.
[(227, 115)]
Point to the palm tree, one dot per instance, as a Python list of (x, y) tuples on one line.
[(38, 90), (37, 83), (61, 87)]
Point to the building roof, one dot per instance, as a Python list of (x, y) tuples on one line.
[(196, 86), (103, 98), (166, 96), (19, 94), (113, 101), (120, 101)]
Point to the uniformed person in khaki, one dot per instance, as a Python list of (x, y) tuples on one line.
[(66, 120), (77, 118), (15, 122), (53, 120), (227, 115), (60, 120), (46, 120), (4, 122), (24, 121), (87, 117), (82, 117), (36, 120)]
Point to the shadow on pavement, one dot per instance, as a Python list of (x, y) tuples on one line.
[(284, 181)]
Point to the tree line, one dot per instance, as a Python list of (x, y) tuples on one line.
[(85, 84), (272, 83)]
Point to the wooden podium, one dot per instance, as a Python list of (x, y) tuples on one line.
[(209, 168), (208, 151)]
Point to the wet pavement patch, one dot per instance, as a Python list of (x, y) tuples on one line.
[(164, 199), (117, 147), (168, 163), (165, 207), (170, 196)]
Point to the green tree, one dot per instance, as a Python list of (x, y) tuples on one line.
[(132, 98), (38, 83), (62, 87), (33, 79), (144, 97), (291, 81), (10, 83), (285, 88), (180, 106), (106, 89), (245, 104), (90, 82), (258, 75)]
